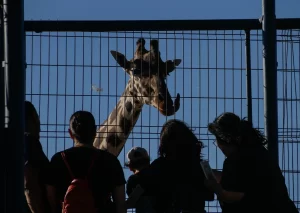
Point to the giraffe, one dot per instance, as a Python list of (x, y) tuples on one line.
[(146, 85)]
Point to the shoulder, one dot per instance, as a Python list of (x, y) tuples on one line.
[(132, 178), (32, 142), (108, 159), (104, 155), (57, 156), (158, 162)]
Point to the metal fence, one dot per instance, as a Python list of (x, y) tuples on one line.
[(221, 70)]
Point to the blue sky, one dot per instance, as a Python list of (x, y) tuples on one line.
[(199, 76)]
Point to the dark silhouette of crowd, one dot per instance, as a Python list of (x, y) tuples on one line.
[(85, 179)]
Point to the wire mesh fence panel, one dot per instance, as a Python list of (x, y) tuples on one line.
[(70, 71), (288, 49)]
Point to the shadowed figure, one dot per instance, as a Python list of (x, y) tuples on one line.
[(146, 85), (250, 180), (36, 164)]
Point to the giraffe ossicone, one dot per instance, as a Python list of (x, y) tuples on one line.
[(146, 85)]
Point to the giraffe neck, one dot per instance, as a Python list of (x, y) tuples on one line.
[(114, 131)]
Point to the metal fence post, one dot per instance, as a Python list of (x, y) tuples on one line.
[(2, 114), (248, 75), (270, 76), (14, 67)]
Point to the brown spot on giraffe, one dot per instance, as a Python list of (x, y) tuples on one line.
[(113, 139), (126, 125), (128, 106)]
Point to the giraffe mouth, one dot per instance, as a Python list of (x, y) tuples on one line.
[(168, 107)]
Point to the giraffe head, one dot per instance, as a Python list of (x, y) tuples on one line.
[(148, 73)]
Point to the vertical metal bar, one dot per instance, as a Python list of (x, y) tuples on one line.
[(248, 75), (2, 114), (270, 76), (14, 66), (1, 68)]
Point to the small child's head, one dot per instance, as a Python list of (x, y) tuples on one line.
[(138, 159), (82, 127)]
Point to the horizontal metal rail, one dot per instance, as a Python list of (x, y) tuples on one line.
[(155, 25)]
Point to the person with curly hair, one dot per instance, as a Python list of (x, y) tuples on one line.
[(179, 176), (250, 180)]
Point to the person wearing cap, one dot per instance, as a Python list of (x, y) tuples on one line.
[(250, 180), (141, 179), (138, 161)]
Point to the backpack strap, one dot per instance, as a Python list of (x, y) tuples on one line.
[(67, 165), (69, 169)]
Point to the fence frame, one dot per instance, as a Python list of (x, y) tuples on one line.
[(155, 25), (14, 56), (13, 84), (270, 76)]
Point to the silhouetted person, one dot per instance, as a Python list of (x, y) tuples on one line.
[(139, 163), (106, 176), (250, 181), (179, 178), (36, 164)]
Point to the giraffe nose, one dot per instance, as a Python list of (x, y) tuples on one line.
[(168, 108), (161, 97)]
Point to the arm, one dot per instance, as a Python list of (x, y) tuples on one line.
[(217, 174), (119, 198), (256, 169), (209, 195), (52, 179), (52, 198), (130, 185), (134, 197), (223, 195), (118, 180), (230, 197), (33, 190)]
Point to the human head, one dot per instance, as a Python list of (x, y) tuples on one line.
[(32, 121), (232, 133), (82, 127), (138, 158), (178, 141)]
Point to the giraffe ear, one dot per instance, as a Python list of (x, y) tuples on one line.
[(121, 59), (177, 62)]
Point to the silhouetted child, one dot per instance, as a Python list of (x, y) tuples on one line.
[(140, 182), (138, 163)]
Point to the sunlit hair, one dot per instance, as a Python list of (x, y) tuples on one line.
[(82, 126), (138, 164), (230, 129), (177, 136)]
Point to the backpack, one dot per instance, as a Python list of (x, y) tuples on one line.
[(79, 197)]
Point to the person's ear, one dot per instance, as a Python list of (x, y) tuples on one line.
[(71, 134)]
